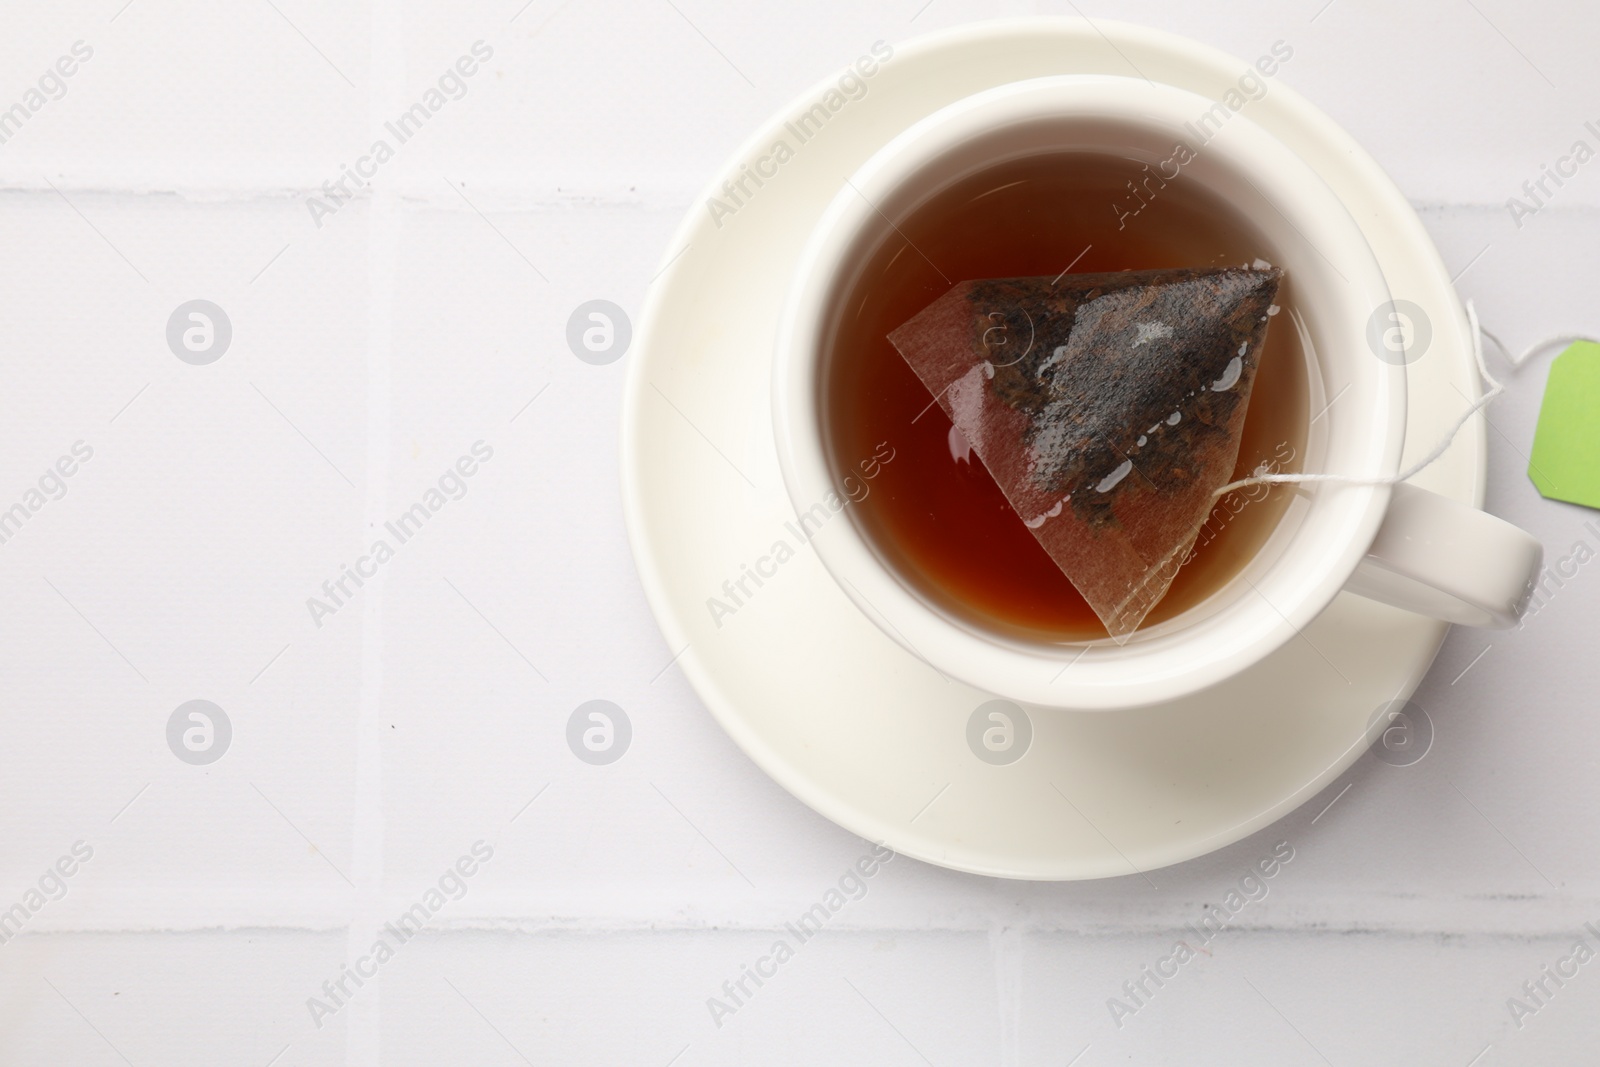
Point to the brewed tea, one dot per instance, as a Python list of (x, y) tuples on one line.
[(936, 515)]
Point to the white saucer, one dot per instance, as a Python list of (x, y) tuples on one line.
[(838, 713)]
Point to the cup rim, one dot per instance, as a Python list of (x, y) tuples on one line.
[(1104, 675)]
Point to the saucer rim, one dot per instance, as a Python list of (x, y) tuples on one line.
[(1423, 263)]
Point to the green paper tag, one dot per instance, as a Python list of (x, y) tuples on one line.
[(1566, 447)]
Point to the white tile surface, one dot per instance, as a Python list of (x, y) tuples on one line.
[(370, 752)]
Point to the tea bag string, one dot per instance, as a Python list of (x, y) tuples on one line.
[(1496, 387)]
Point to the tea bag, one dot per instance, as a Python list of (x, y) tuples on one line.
[(1108, 407)]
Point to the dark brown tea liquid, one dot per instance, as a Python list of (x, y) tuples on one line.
[(940, 520)]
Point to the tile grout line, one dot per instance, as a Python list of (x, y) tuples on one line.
[(1006, 953), (545, 188)]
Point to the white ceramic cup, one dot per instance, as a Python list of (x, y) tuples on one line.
[(1398, 544)]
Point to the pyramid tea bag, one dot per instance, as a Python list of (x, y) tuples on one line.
[(1108, 408)]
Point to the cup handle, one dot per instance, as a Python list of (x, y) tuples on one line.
[(1447, 560)]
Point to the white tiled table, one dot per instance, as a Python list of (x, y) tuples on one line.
[(371, 752)]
